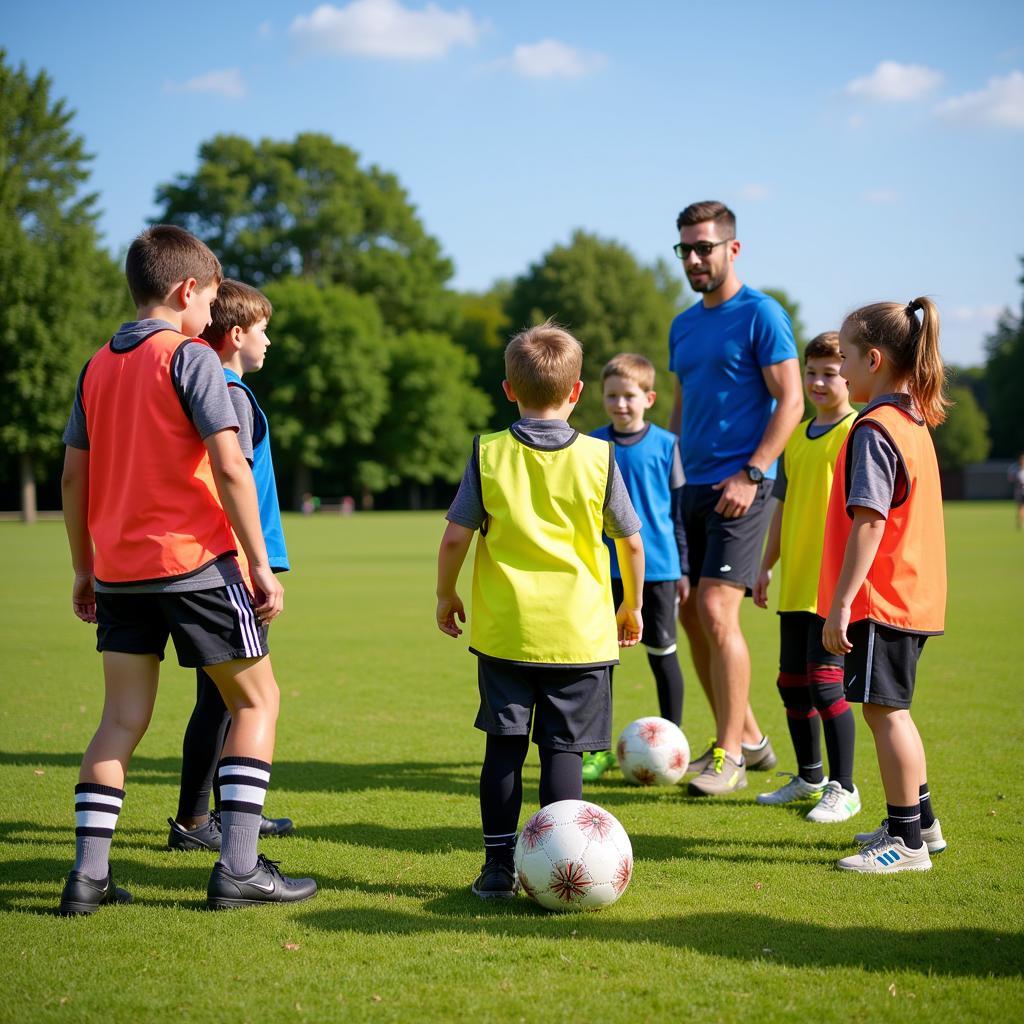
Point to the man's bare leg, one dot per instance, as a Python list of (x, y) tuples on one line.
[(719, 607)]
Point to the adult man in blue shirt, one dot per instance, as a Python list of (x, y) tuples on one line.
[(738, 397)]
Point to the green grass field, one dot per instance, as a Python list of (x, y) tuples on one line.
[(735, 911)]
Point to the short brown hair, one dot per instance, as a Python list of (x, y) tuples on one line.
[(542, 364), (709, 209), (237, 305), (823, 346), (162, 256), (632, 366)]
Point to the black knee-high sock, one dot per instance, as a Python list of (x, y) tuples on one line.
[(501, 792), (927, 813), (802, 720), (201, 747), (837, 721), (668, 678), (561, 776)]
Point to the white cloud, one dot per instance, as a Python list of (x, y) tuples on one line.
[(552, 59), (892, 82), (227, 83), (1000, 103), (754, 192), (983, 315), (385, 28), (881, 196)]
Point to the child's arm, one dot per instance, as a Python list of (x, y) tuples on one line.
[(631, 564), (237, 490), (452, 553), (772, 549), (74, 486), (861, 548)]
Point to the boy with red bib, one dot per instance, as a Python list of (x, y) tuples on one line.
[(883, 570), (154, 481)]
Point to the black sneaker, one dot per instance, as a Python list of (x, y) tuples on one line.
[(276, 826), (497, 880), (205, 837), (83, 895), (264, 884)]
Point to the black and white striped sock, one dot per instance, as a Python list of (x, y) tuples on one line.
[(243, 789), (96, 811)]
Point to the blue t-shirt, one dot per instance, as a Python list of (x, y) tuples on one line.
[(718, 355)]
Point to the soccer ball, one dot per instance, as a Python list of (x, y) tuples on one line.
[(573, 855), (653, 752)]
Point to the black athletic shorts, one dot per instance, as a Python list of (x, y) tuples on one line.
[(720, 548), (571, 708), (882, 667), (207, 626), (800, 643), (661, 604)]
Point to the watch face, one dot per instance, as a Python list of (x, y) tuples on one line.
[(756, 476)]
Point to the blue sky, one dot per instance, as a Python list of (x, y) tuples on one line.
[(871, 150)]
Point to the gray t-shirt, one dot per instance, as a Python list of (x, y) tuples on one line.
[(620, 518), (246, 420), (198, 376), (878, 478)]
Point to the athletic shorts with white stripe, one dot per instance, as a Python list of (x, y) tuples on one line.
[(207, 626)]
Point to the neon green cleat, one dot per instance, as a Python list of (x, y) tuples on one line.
[(595, 765)]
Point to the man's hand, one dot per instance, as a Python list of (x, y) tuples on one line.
[(833, 633), (83, 597), (448, 610), (630, 624), (760, 592), (683, 590), (269, 594), (738, 493)]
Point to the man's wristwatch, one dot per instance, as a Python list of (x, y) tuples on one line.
[(754, 475)]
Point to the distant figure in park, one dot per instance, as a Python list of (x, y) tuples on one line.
[(737, 400), (811, 678), (154, 484), (1017, 479), (882, 589), (648, 459), (545, 630), (238, 333)]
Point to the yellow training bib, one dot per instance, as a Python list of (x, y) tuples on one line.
[(541, 582)]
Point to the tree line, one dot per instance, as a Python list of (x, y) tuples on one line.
[(379, 372)]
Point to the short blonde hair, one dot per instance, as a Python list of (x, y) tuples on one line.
[(632, 366), (542, 364), (236, 305)]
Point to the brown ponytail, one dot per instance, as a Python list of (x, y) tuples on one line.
[(912, 346)]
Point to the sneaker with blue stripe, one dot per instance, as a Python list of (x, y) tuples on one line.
[(886, 856)]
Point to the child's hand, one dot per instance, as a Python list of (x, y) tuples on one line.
[(269, 594), (631, 625), (833, 634), (448, 609), (83, 596), (760, 593), (683, 589)]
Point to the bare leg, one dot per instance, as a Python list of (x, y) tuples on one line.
[(689, 619), (900, 754), (719, 607), (250, 692), (130, 682)]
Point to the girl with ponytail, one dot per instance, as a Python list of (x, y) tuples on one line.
[(882, 588)]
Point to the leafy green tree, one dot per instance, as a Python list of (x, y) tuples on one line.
[(482, 329), (597, 289), (60, 293), (792, 307), (325, 386), (1004, 379), (306, 208), (435, 409), (963, 438)]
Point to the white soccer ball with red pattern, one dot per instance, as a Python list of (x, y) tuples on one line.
[(574, 855), (653, 752)]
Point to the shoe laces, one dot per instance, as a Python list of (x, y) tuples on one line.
[(273, 866), (718, 760), (831, 796), (876, 846)]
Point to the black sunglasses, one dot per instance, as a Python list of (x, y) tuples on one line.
[(702, 249)]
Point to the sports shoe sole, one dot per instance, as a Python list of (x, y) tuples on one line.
[(223, 903), (694, 791)]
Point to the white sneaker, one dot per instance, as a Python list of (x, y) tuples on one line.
[(796, 789), (836, 804), (886, 856), (932, 836)]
